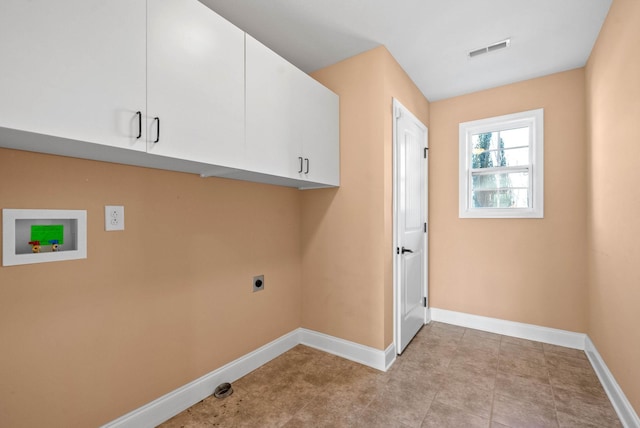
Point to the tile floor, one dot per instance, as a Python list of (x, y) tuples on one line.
[(447, 377)]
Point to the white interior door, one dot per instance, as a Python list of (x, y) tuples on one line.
[(410, 148)]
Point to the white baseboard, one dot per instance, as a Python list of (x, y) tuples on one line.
[(390, 356), (552, 336), (366, 355), (626, 413), (169, 405)]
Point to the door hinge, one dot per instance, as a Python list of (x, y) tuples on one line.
[(397, 250), (424, 302), (426, 149), (425, 227), (398, 113)]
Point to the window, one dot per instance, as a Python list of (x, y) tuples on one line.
[(501, 167)]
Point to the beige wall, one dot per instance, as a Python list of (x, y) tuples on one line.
[(526, 270), (346, 232), (151, 308), (613, 89)]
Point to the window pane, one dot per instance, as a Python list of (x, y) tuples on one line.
[(520, 198), (485, 141), (489, 152), (480, 146), (500, 181), (512, 157), (481, 156), (507, 157), (515, 137), (512, 198)]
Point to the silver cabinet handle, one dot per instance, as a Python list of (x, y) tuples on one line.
[(307, 161), (300, 158)]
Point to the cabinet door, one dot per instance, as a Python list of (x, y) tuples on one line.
[(292, 120), (273, 132), (319, 116), (195, 83), (74, 69)]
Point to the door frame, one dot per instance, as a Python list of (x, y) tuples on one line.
[(398, 108)]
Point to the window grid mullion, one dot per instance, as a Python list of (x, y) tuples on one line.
[(501, 169), (506, 148)]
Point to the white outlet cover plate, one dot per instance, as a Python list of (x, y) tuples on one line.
[(113, 217)]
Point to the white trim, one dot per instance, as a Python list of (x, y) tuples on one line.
[(552, 336), (394, 220), (428, 317), (362, 354), (534, 119), (390, 356), (624, 409), (169, 405)]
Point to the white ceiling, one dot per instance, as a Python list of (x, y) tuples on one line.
[(429, 38)]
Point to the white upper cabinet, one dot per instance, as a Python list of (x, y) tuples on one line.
[(273, 136), (291, 120), (74, 69), (195, 83), (318, 116), (164, 84)]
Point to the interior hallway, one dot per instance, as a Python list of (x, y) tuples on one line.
[(448, 376)]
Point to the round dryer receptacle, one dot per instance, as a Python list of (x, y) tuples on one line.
[(258, 283)]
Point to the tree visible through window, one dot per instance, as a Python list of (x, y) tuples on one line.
[(481, 158)]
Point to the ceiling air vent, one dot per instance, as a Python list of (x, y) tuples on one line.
[(491, 48)]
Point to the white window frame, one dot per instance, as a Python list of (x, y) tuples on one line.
[(534, 119)]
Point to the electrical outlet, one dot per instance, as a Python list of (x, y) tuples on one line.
[(113, 217)]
